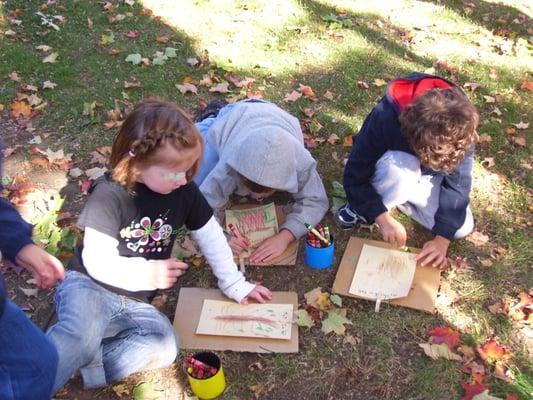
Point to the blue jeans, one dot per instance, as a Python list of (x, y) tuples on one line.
[(105, 335), (28, 360)]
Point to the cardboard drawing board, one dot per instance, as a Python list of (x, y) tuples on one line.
[(187, 317), (424, 288), (288, 257), (227, 318), (383, 273)]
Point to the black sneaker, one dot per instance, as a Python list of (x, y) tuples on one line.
[(346, 218), (211, 110)]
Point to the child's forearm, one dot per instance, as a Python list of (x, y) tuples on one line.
[(217, 252)]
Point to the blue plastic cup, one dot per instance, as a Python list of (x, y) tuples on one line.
[(320, 257)]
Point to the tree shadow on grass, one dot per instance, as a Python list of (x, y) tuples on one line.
[(502, 19)]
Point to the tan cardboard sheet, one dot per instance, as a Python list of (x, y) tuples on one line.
[(425, 286), (288, 257), (187, 316)]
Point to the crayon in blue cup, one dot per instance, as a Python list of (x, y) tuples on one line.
[(319, 247)]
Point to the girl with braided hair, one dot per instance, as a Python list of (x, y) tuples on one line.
[(106, 327)]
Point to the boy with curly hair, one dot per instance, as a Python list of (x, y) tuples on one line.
[(414, 152)]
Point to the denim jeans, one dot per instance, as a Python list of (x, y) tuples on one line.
[(28, 360), (105, 335), (400, 183)]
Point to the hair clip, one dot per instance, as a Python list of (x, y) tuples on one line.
[(131, 153)]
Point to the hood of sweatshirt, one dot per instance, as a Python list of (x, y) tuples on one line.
[(402, 91), (263, 143)]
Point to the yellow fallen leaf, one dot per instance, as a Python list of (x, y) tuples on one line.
[(441, 350)]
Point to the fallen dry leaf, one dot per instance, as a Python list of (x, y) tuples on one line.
[(442, 334), (491, 351), (442, 350), (308, 92), (488, 162), (20, 108), (132, 82), (519, 141), (220, 88), (489, 99), (52, 58), (379, 82), (522, 125), (333, 139), (49, 85), (14, 76), (477, 238), (292, 96), (527, 85), (328, 95), (187, 88)]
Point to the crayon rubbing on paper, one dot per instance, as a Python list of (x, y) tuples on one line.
[(383, 273), (256, 224), (224, 318)]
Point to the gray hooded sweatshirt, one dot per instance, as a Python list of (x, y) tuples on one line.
[(265, 144)]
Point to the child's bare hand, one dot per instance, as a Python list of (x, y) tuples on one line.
[(45, 268), (259, 293), (272, 247), (165, 273), (393, 231), (434, 253), (238, 244)]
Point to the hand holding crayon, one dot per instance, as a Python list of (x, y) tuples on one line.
[(237, 242)]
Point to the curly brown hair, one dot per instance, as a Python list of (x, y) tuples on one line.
[(151, 124), (440, 126)]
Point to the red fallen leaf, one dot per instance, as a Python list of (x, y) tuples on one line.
[(442, 334), (491, 351), (314, 313), (527, 85), (132, 34), (472, 390), (307, 91), (162, 39), (511, 396), (474, 387)]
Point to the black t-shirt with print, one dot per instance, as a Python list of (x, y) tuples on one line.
[(145, 224)]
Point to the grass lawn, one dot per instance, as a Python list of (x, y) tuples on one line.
[(344, 51)]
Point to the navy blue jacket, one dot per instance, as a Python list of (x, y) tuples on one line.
[(15, 233), (381, 132)]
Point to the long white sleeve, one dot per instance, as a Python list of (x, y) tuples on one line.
[(217, 252), (102, 261)]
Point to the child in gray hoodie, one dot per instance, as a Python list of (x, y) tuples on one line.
[(254, 148)]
